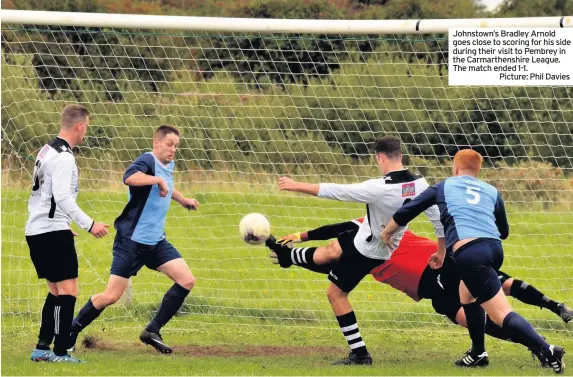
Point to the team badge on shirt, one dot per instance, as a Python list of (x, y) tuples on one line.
[(43, 151), (408, 189)]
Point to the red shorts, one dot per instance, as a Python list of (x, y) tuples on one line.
[(407, 264)]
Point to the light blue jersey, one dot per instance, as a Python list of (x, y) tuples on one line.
[(469, 208), (143, 218), (472, 203)]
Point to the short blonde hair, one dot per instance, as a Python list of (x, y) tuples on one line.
[(468, 160), (73, 114)]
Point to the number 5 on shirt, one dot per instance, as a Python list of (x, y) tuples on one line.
[(473, 194)]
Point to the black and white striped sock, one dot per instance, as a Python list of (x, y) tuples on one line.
[(304, 257), (349, 327)]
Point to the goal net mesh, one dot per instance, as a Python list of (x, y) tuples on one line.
[(252, 108)]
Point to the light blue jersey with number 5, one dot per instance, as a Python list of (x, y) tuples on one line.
[(472, 203), (469, 208)]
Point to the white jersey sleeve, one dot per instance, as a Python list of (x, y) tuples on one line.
[(364, 192)]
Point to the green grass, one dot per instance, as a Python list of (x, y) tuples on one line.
[(248, 317)]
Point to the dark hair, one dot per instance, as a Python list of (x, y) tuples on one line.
[(165, 130), (389, 145), (74, 114)]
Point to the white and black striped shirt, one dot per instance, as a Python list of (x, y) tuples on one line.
[(52, 205), (383, 197)]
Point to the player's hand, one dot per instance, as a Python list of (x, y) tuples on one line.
[(287, 184), (386, 237), (163, 188), (190, 203), (74, 233), (436, 260), (99, 230), (284, 240)]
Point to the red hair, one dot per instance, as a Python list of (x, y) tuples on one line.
[(468, 160)]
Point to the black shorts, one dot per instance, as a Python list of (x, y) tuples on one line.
[(443, 288), (352, 266), (130, 256), (477, 264), (54, 255)]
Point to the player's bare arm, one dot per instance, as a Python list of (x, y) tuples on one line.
[(142, 179), (289, 184), (189, 203)]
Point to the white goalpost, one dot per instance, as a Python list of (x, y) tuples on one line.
[(256, 99)]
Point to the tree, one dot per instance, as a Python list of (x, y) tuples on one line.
[(279, 59), (535, 8)]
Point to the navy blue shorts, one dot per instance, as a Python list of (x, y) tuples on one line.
[(130, 256), (477, 263)]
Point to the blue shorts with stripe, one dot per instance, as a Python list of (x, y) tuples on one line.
[(130, 256)]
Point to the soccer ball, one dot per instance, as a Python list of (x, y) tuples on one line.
[(254, 228)]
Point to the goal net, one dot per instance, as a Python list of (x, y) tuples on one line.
[(253, 106)]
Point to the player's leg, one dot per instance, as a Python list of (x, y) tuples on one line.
[(46, 335), (63, 316), (125, 263), (178, 271), (60, 269), (41, 257), (475, 323), (483, 282), (317, 259), (528, 294), (492, 330), (96, 304), (476, 263), (499, 310), (167, 260), (446, 300), (351, 268)]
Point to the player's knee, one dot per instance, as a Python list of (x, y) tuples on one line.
[(497, 317), (66, 287), (111, 298), (334, 293), (507, 286), (332, 253), (188, 282), (461, 318)]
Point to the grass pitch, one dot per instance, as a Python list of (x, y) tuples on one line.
[(248, 317)]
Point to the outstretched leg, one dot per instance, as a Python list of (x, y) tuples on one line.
[(95, 306), (317, 259), (528, 294)]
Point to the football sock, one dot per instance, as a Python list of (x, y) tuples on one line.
[(86, 316), (304, 257), (475, 319), (63, 315), (494, 330), (349, 327), (47, 326), (518, 327), (530, 295), (171, 303)]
